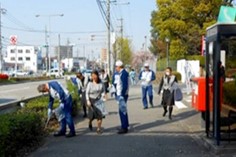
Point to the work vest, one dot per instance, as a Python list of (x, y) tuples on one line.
[(167, 85)]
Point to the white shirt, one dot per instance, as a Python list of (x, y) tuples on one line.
[(119, 84), (146, 78)]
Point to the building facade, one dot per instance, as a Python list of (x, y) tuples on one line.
[(65, 51), (26, 58)]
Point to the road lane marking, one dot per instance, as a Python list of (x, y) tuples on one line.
[(12, 90), (180, 105)]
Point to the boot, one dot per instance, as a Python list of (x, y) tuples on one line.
[(85, 112), (170, 112), (165, 111)]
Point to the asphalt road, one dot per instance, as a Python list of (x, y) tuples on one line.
[(150, 134), (16, 92)]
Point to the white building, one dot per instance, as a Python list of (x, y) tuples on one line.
[(25, 57)]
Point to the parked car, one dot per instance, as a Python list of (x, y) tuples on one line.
[(19, 73), (55, 72)]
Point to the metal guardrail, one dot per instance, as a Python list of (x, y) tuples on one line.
[(15, 105)]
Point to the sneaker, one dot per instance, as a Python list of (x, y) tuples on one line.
[(99, 131), (59, 134), (122, 131), (151, 104), (90, 127), (145, 108), (70, 135)]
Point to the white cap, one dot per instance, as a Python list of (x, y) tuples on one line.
[(119, 63), (146, 65)]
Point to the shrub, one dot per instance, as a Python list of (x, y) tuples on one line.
[(75, 97), (19, 130), (161, 64), (231, 62), (230, 73), (197, 57), (229, 93), (22, 79), (178, 75), (4, 77)]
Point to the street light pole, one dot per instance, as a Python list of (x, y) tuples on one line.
[(108, 35), (49, 36), (167, 51), (2, 11)]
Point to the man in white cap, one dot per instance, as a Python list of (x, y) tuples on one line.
[(122, 90), (147, 76)]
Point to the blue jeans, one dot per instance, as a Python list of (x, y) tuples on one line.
[(133, 82), (123, 115), (68, 117), (145, 90)]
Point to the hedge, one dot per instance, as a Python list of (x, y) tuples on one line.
[(160, 74), (229, 93), (18, 131), (25, 128)]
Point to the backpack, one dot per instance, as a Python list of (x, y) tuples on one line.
[(178, 95)]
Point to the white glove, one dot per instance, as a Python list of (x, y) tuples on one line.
[(61, 105), (49, 113), (80, 95), (88, 103)]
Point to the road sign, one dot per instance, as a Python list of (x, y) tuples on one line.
[(13, 39)]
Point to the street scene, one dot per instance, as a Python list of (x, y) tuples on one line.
[(107, 78)]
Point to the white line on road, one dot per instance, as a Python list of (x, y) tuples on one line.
[(12, 90), (180, 105)]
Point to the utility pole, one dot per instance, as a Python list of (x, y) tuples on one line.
[(85, 65), (2, 11), (47, 48), (109, 36), (121, 40), (68, 51), (59, 54), (1, 55)]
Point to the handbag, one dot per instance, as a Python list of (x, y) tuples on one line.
[(101, 106), (178, 95)]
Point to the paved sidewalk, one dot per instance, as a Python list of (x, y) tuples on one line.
[(150, 135)]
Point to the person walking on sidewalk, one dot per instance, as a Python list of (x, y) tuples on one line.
[(105, 79), (122, 91), (82, 82), (147, 76), (94, 93), (166, 83), (132, 76), (56, 90)]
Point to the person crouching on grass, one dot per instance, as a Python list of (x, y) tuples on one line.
[(94, 92), (56, 90)]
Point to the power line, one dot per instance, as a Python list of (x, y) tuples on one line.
[(53, 32)]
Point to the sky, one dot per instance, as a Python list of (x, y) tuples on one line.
[(81, 19)]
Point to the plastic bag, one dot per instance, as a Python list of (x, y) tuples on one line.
[(60, 114), (101, 106)]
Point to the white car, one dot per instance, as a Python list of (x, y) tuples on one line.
[(19, 73), (55, 72)]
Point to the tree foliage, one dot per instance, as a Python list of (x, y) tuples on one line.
[(122, 47), (183, 22)]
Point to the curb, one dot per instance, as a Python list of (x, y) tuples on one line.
[(13, 106)]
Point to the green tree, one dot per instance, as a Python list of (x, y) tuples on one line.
[(183, 22), (122, 47)]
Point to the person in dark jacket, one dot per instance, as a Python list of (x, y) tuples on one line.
[(82, 82), (105, 80), (56, 90), (122, 94), (166, 84)]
